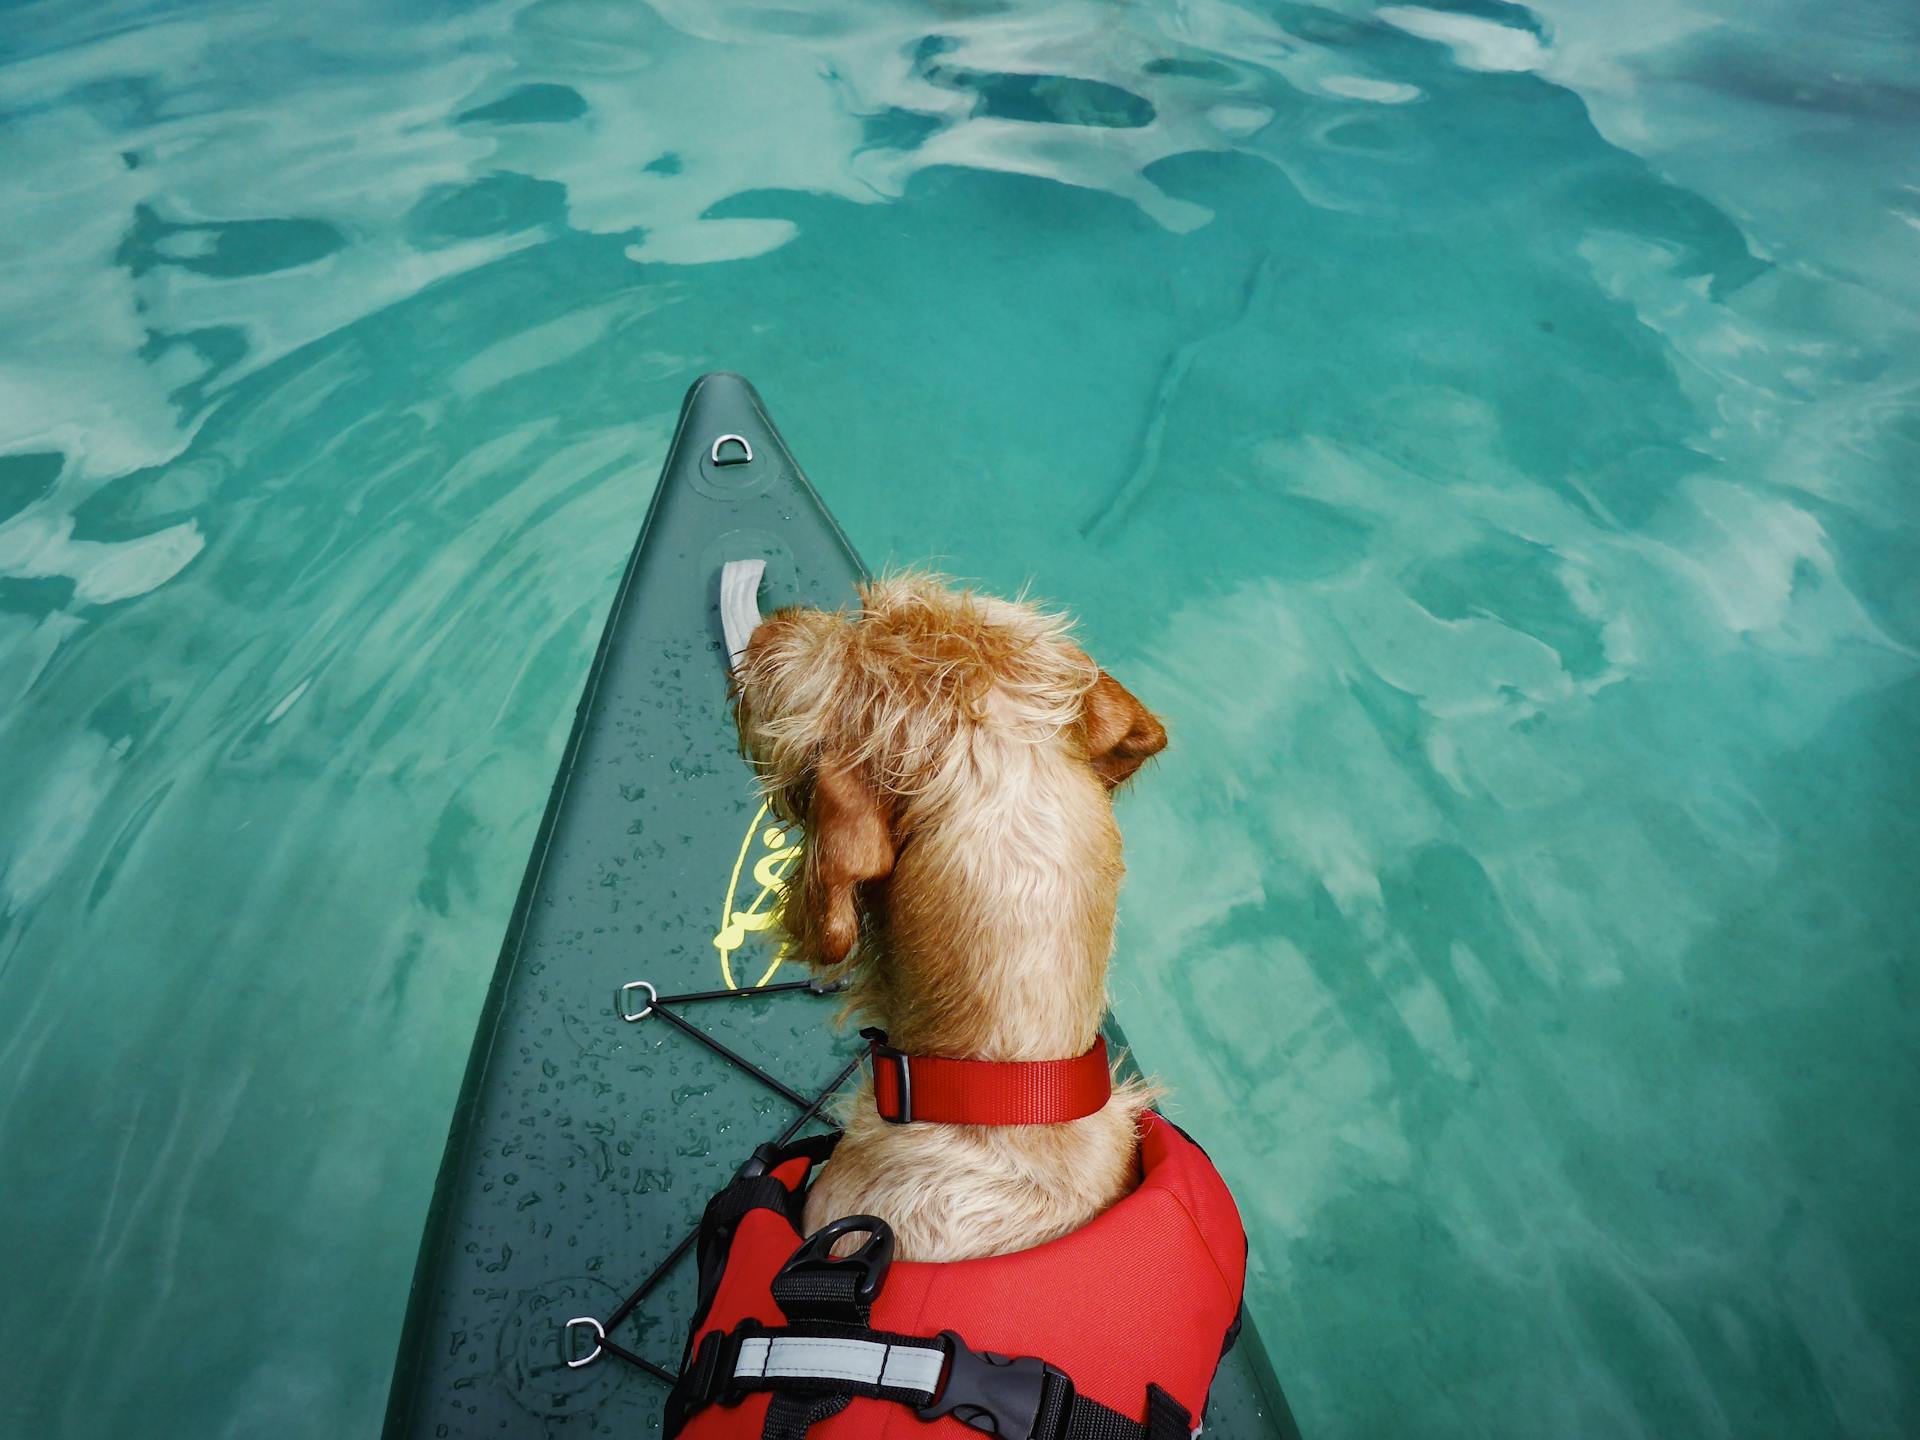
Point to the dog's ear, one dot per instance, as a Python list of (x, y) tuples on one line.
[(1121, 733), (849, 841)]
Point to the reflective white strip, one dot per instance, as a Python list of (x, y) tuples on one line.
[(914, 1369), (870, 1362)]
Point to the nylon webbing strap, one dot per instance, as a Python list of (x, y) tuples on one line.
[(909, 1089), (814, 1371), (821, 1293), (742, 1197), (1167, 1418), (790, 1417), (1084, 1419)]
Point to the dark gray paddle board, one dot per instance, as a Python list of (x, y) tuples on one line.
[(584, 1146)]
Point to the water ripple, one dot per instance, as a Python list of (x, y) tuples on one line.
[(1485, 431)]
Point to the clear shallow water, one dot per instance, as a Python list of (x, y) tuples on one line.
[(1488, 435)]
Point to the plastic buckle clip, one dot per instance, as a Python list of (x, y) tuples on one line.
[(758, 1163), (709, 1378), (869, 1263), (879, 1049), (995, 1394)]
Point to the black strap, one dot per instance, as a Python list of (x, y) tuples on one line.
[(742, 1198), (1085, 1419), (824, 1293), (790, 1416), (1167, 1418), (1018, 1399)]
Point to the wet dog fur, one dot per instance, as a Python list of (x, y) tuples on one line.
[(951, 758)]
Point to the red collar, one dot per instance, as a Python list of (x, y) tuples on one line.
[(911, 1088)]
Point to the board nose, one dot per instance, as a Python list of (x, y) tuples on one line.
[(726, 446), (721, 397)]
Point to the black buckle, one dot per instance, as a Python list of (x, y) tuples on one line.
[(758, 1163), (878, 1049), (996, 1394), (708, 1378), (869, 1264), (720, 1388)]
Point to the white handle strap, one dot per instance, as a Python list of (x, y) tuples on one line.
[(740, 604)]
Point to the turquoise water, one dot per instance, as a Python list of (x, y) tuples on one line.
[(1488, 435)]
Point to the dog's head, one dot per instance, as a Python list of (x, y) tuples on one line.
[(925, 704)]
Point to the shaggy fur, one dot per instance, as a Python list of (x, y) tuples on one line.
[(951, 757)]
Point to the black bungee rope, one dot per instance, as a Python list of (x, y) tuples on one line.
[(809, 1108)]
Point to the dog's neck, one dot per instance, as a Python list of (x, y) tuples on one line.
[(998, 918)]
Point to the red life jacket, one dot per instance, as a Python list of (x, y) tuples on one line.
[(1113, 1330)]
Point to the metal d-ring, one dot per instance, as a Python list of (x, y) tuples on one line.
[(599, 1334), (653, 998), (746, 459)]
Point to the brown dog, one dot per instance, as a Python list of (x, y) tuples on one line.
[(951, 759)]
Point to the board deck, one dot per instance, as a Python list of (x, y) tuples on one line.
[(584, 1146)]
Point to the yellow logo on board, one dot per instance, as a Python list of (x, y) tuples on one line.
[(778, 849)]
